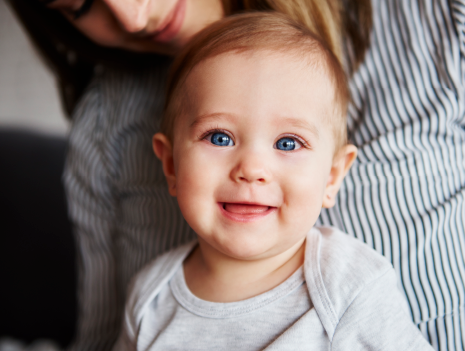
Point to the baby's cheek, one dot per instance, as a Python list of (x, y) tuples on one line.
[(304, 198), (195, 208)]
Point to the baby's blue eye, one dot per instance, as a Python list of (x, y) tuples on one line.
[(221, 139), (287, 144)]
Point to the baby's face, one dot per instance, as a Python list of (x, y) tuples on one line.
[(253, 155)]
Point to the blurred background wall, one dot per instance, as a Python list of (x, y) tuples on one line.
[(37, 253), (28, 94)]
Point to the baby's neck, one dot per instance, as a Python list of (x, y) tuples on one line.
[(213, 276)]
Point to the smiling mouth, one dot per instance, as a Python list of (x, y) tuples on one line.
[(173, 25), (242, 212)]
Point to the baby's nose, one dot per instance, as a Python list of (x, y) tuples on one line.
[(251, 168)]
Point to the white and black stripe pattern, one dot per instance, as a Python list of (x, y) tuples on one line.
[(404, 196), (117, 195)]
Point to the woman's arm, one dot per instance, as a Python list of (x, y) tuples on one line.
[(92, 202), (117, 195)]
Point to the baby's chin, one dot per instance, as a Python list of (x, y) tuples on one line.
[(246, 246)]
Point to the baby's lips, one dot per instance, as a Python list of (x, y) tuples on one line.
[(245, 209)]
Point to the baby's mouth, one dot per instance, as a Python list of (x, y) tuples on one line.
[(244, 212), (245, 209)]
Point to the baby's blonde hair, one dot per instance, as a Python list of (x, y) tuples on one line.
[(344, 25), (258, 31)]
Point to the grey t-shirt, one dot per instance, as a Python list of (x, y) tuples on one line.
[(251, 324), (344, 298)]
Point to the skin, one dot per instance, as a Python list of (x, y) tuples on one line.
[(246, 253), (134, 24), (250, 203)]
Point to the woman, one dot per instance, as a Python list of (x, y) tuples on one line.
[(404, 196)]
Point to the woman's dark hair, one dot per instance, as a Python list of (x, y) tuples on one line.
[(73, 57)]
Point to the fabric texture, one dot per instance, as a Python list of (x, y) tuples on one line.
[(117, 196), (177, 318), (404, 196), (454, 324), (356, 305)]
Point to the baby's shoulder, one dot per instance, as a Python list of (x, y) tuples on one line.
[(343, 257), (146, 285), (338, 268)]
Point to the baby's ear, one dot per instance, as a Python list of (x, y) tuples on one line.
[(164, 151), (341, 165)]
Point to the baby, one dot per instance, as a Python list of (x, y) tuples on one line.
[(253, 145)]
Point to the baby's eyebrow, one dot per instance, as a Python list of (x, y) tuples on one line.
[(217, 115), (285, 121), (299, 123)]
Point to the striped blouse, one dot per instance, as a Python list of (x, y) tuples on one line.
[(404, 196)]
